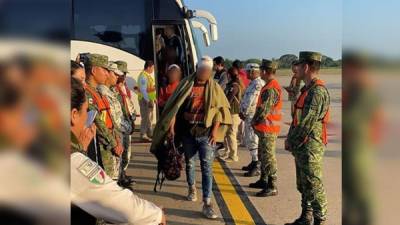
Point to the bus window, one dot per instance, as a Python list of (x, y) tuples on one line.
[(124, 24)]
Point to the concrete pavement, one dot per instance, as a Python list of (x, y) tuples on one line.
[(233, 200)]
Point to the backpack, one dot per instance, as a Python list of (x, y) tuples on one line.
[(170, 163)]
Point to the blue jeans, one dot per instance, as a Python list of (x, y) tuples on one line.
[(192, 146)]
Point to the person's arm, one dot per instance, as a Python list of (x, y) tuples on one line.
[(96, 193), (268, 100), (143, 88), (311, 113), (171, 128), (247, 100)]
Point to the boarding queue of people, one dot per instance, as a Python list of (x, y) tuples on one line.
[(202, 114)]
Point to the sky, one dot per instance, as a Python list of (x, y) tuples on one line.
[(272, 28), (372, 26)]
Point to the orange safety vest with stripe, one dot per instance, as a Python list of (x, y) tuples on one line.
[(298, 112), (273, 118), (103, 106)]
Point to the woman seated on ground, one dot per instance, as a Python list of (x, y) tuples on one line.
[(92, 190), (174, 75)]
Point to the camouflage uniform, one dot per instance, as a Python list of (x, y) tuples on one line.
[(129, 114), (266, 141), (308, 149), (248, 108), (121, 125), (105, 138)]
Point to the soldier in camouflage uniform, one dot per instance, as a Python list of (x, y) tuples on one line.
[(129, 115), (307, 139), (266, 125), (247, 109), (121, 125), (106, 140)]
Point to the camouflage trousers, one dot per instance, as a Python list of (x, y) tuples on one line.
[(250, 137), (267, 156), (308, 159), (110, 163), (126, 155)]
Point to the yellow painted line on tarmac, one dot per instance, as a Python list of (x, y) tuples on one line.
[(235, 205)]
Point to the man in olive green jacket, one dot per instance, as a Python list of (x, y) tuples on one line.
[(201, 107)]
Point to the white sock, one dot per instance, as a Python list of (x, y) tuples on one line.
[(254, 154)]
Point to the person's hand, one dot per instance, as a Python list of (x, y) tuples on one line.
[(287, 145), (212, 140), (171, 133), (87, 135)]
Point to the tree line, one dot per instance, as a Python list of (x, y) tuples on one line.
[(285, 61)]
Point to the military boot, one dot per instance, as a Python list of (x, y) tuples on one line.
[(306, 218), (269, 190), (318, 221), (254, 171), (129, 179), (258, 184), (250, 166)]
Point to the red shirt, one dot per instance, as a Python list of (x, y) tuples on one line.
[(243, 78), (166, 93)]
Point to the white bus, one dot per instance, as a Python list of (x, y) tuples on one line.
[(135, 31)]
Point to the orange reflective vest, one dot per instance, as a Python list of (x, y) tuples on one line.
[(273, 118), (103, 106), (298, 112)]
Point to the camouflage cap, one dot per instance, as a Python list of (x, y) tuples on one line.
[(252, 66), (122, 66), (112, 66), (306, 56), (268, 64), (98, 60)]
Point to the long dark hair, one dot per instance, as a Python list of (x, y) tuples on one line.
[(78, 96)]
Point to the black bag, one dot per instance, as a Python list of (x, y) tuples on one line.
[(170, 163)]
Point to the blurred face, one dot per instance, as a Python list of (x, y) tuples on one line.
[(80, 75), (169, 31), (203, 73), (174, 75), (78, 119), (99, 74)]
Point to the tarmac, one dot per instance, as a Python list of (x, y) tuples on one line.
[(234, 201)]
